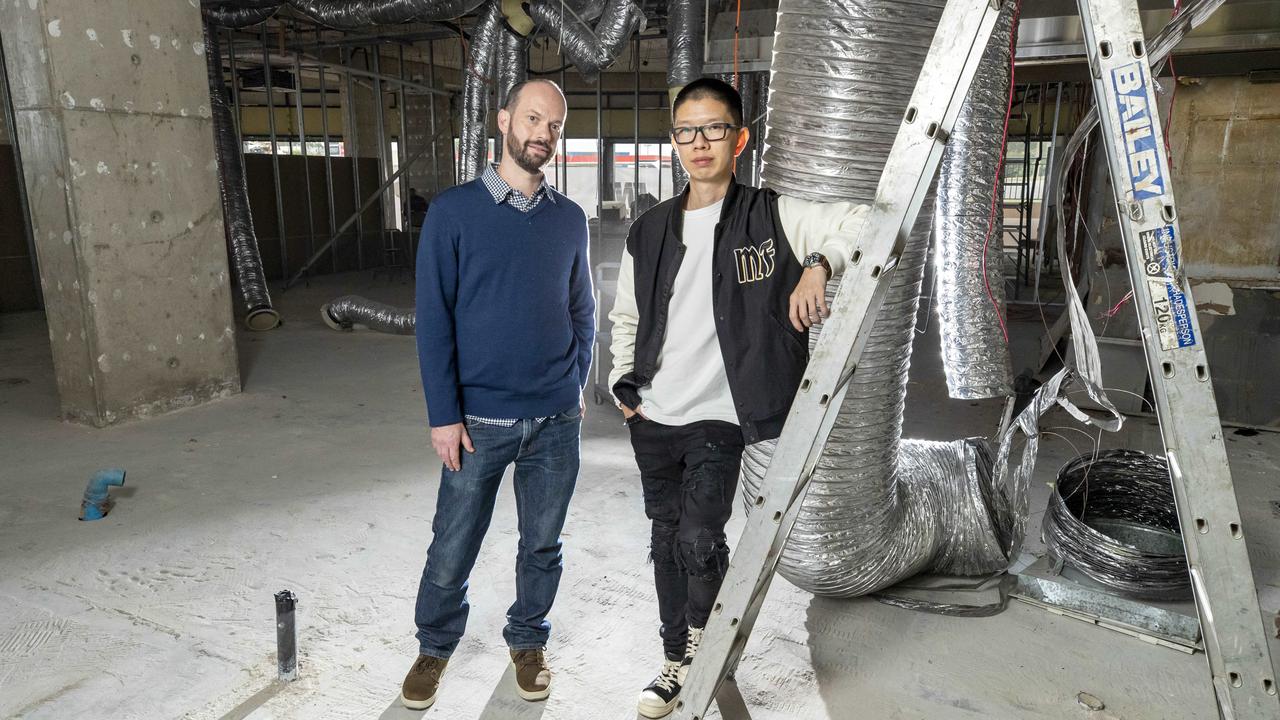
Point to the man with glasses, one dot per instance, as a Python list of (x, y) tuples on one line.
[(717, 290)]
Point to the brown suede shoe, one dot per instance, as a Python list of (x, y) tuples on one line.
[(422, 682), (533, 675)]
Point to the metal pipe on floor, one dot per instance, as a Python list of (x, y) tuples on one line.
[(286, 636)]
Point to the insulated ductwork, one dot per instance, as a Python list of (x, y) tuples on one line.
[(513, 63), (968, 229), (348, 311), (935, 515), (238, 15), (590, 50), (242, 241), (341, 14), (475, 93), (843, 73), (685, 56)]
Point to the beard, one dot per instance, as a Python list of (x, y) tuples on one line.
[(525, 154)]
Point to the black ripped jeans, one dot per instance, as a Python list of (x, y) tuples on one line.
[(690, 475)]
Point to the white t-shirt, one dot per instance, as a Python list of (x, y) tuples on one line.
[(690, 384)]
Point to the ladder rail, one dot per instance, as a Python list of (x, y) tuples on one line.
[(1213, 534)]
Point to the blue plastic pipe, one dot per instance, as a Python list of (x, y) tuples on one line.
[(96, 501)]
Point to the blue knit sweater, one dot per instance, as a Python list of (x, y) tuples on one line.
[(506, 317)]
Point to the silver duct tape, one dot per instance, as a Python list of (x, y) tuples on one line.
[(475, 93), (513, 63), (1112, 516), (348, 311), (970, 297), (242, 241), (589, 49)]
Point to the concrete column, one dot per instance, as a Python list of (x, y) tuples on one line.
[(112, 117)]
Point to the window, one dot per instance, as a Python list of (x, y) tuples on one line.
[(651, 185), (291, 146)]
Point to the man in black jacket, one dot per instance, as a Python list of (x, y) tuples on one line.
[(717, 291)]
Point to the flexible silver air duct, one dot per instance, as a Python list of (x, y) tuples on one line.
[(589, 49), (685, 56), (968, 265), (936, 515), (239, 15), (475, 93), (341, 14), (348, 311), (242, 241), (843, 73), (513, 63)]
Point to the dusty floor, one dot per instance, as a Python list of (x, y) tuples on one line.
[(319, 478)]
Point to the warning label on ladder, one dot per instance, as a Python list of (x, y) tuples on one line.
[(1161, 260), (1142, 155)]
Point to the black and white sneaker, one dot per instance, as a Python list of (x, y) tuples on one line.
[(659, 699), (690, 649)]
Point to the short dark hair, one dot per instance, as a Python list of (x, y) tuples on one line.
[(714, 89), (513, 95)]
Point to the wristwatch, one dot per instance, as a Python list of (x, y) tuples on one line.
[(817, 258)]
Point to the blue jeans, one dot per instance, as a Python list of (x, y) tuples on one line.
[(546, 459)]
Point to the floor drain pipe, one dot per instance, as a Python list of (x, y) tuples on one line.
[(286, 636), (97, 503)]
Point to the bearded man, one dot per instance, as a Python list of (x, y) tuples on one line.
[(505, 327)]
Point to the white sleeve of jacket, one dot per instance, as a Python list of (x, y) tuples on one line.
[(625, 317), (828, 228)]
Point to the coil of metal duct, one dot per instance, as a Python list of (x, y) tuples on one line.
[(242, 241), (345, 312), (968, 260), (1112, 516), (843, 73)]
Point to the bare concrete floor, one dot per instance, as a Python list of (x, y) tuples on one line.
[(319, 478)]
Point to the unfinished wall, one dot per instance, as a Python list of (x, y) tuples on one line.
[(1225, 141), (1225, 146), (113, 121)]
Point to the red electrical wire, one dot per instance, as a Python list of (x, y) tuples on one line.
[(995, 184), (1173, 93), (737, 23)]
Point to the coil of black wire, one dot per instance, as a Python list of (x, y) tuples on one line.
[(1112, 517)]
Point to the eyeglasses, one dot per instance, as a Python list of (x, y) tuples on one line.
[(713, 132)]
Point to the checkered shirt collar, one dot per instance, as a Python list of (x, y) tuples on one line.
[(501, 191)]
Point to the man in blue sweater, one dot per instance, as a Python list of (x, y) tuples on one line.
[(505, 326)]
